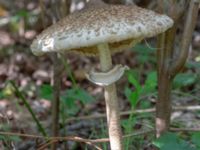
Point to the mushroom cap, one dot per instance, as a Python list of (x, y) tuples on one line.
[(118, 25)]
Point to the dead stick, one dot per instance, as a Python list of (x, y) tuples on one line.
[(98, 148), (57, 69), (72, 138), (55, 141), (43, 146), (79, 139)]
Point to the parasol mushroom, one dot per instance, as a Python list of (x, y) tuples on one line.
[(101, 30)]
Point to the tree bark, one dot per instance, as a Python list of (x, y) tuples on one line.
[(167, 67)]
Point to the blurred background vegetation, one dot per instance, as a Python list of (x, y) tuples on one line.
[(25, 103)]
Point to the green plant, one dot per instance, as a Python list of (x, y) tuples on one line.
[(69, 99), (139, 90), (196, 140), (145, 54), (1, 94), (10, 138), (8, 141), (134, 93), (11, 89), (128, 126), (184, 79), (27, 105), (21, 14), (46, 91), (100, 133), (169, 141)]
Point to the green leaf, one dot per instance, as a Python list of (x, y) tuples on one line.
[(5, 127), (134, 82), (22, 13), (170, 141), (193, 65), (132, 96), (196, 139), (2, 137), (144, 53), (128, 124), (68, 101), (84, 96), (184, 79), (14, 138), (150, 83), (1, 95), (69, 106), (141, 48), (144, 103), (70, 96), (10, 138), (46, 91)]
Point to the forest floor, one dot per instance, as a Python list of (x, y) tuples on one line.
[(34, 76)]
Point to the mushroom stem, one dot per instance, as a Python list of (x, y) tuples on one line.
[(112, 106)]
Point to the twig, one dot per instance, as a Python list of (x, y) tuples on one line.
[(42, 12), (104, 140), (137, 111), (56, 140), (90, 141), (43, 146), (57, 69), (20, 95), (72, 138)]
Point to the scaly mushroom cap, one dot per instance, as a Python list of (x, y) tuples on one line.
[(118, 25)]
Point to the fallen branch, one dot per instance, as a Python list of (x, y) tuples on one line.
[(91, 142), (71, 138), (101, 140), (42, 147)]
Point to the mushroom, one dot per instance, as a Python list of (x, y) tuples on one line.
[(101, 30)]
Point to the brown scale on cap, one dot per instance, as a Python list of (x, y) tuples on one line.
[(118, 25)]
